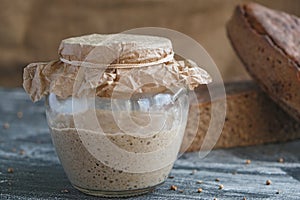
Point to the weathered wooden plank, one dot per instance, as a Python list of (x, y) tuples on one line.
[(38, 174)]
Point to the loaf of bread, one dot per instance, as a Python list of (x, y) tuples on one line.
[(251, 118), (268, 43)]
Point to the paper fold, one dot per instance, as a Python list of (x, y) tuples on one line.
[(66, 80)]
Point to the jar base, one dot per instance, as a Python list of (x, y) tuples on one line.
[(114, 194)]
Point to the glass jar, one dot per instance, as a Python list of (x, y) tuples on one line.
[(129, 151), (117, 108)]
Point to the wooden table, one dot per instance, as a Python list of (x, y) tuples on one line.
[(25, 146)]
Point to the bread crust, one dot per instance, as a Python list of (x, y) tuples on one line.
[(252, 118), (268, 43)]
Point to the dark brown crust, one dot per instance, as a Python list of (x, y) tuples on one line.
[(282, 28), (265, 56), (251, 118)]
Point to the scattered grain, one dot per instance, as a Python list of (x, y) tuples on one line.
[(221, 187), (10, 170), (6, 125), (268, 182), (248, 162), (173, 187), (19, 115), (22, 152), (199, 190), (281, 160), (199, 182)]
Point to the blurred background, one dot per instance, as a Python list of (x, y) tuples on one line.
[(31, 30)]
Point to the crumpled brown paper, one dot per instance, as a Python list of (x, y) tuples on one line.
[(135, 64), (66, 80)]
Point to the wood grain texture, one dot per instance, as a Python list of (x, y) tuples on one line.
[(39, 175)]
